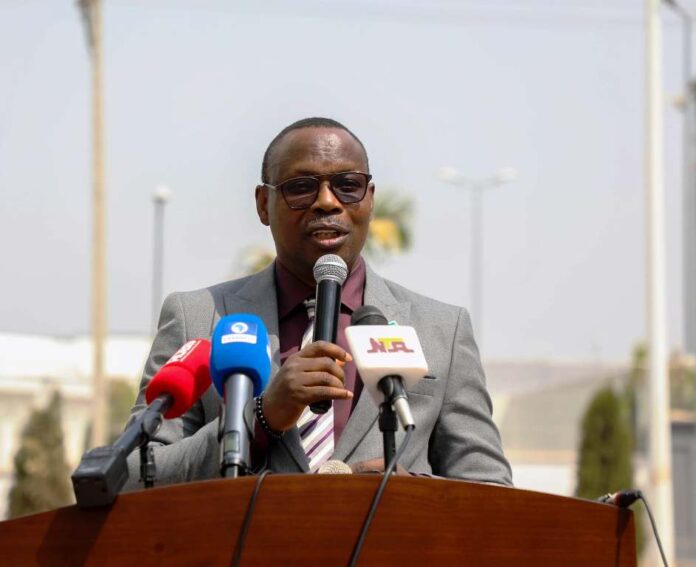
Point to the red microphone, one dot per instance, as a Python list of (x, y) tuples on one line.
[(184, 378)]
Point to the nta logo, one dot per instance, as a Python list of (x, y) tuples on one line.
[(388, 345)]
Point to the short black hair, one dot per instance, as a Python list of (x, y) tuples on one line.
[(314, 122)]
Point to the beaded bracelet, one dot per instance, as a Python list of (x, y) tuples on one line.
[(258, 410)]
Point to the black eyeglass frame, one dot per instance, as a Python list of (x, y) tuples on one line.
[(319, 178)]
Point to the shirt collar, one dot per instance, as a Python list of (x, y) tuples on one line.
[(291, 291)]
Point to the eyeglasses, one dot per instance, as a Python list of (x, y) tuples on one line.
[(300, 192)]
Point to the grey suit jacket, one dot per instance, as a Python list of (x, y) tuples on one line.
[(454, 437)]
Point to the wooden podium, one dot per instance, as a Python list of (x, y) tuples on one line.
[(316, 519)]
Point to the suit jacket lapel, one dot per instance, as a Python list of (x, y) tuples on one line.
[(365, 414), (258, 296)]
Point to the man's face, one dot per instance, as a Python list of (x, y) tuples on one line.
[(327, 226)]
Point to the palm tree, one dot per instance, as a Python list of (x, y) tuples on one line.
[(390, 229), (253, 259)]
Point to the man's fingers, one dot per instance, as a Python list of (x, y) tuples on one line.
[(313, 379), (319, 393), (367, 467), (324, 364), (323, 348)]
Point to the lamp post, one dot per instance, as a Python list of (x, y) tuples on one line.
[(453, 176), (160, 197), (91, 14), (660, 442), (689, 180)]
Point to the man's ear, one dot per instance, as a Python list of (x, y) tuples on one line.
[(262, 204)]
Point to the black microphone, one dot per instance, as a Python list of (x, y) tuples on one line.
[(368, 315), (330, 271)]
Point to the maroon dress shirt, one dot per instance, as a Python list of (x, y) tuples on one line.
[(292, 323)]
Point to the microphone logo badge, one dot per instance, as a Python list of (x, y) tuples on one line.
[(390, 344), (184, 351), (239, 327), (240, 332)]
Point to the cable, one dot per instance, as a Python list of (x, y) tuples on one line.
[(624, 499), (654, 527), (377, 498), (241, 538)]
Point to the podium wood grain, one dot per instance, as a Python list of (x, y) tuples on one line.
[(315, 520)]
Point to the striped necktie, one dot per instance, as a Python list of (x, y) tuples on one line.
[(316, 431)]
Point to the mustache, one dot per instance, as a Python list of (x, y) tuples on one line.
[(330, 222)]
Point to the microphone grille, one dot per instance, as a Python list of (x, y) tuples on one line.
[(334, 467), (330, 267)]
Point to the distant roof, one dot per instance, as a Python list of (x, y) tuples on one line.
[(516, 377), (538, 405), (69, 359)]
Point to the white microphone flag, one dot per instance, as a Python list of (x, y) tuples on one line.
[(386, 350)]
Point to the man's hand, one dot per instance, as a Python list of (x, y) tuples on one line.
[(375, 466), (315, 373)]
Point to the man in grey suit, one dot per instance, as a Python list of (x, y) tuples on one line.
[(316, 196)]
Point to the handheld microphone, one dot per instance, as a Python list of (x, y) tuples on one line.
[(184, 378), (240, 367), (389, 359), (330, 272), (178, 384)]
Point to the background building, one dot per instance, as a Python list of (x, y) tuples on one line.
[(33, 366)]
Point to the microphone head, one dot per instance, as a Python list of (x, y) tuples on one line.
[(386, 350), (240, 345), (330, 267), (334, 467), (185, 377), (368, 315)]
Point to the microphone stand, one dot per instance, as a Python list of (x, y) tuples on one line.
[(388, 422), (103, 471), (148, 468), (236, 429)]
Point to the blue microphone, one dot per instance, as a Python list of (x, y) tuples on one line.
[(240, 367)]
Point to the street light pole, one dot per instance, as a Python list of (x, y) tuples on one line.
[(660, 454), (476, 276), (689, 180), (477, 187), (91, 14), (160, 197)]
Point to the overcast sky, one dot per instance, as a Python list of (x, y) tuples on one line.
[(195, 90)]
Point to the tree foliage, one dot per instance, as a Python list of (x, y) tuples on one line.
[(606, 450), (253, 259), (391, 226), (606, 447), (42, 477), (122, 393)]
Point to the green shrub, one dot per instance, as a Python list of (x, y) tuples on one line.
[(42, 477)]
